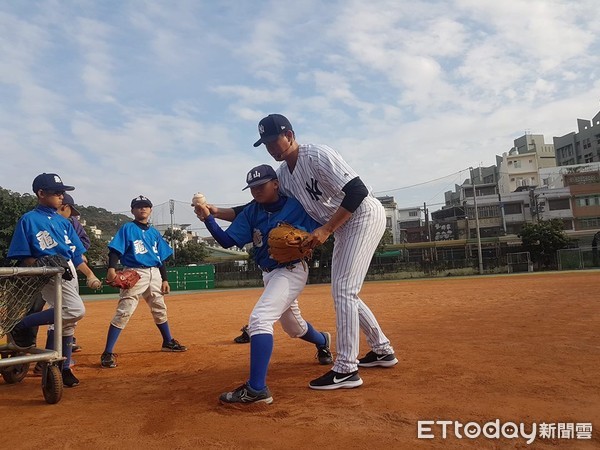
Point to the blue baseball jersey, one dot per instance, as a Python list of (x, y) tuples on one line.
[(44, 232), (254, 223), (139, 247)]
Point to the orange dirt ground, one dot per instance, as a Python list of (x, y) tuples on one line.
[(521, 348)]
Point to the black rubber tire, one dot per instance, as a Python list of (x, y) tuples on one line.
[(52, 384), (15, 374)]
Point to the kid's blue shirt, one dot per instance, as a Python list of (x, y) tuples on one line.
[(255, 222), (139, 247), (44, 232)]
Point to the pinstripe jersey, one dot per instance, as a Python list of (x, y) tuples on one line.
[(317, 180)]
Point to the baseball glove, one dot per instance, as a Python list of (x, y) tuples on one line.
[(56, 261), (285, 243), (125, 279)]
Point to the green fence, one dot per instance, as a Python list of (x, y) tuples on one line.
[(188, 278), (578, 258)]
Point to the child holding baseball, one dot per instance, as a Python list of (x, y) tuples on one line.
[(44, 232), (283, 282)]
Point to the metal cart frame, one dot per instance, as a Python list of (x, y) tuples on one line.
[(13, 355)]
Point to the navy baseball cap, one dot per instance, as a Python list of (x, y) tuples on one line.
[(140, 201), (68, 200), (260, 175), (49, 182), (272, 126)]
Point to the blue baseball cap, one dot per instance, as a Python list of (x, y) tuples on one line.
[(271, 127), (140, 201), (49, 182), (68, 200), (260, 175)]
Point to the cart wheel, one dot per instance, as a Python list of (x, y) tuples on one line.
[(52, 384), (15, 374)]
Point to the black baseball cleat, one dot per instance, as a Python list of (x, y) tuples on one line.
[(245, 394), (335, 380), (173, 346), (324, 353), (108, 360), (243, 338), (69, 380), (21, 337), (372, 359)]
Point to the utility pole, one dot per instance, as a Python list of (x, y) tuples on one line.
[(172, 211), (479, 253)]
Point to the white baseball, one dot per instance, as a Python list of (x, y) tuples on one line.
[(198, 199)]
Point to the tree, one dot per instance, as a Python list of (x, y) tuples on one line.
[(97, 254), (174, 237), (543, 239), (12, 207), (191, 252), (386, 239)]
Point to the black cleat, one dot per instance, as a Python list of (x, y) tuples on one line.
[(324, 353)]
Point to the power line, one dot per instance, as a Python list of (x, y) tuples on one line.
[(424, 182)]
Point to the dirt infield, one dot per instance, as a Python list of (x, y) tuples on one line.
[(514, 348)]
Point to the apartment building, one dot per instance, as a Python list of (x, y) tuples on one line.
[(521, 165), (579, 147)]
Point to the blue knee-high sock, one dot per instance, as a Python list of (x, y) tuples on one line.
[(45, 317), (314, 336), (261, 348), (165, 332), (67, 351), (111, 338)]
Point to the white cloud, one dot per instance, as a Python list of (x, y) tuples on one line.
[(406, 91)]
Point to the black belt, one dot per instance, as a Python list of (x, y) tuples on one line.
[(288, 265)]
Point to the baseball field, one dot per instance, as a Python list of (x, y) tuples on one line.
[(495, 350)]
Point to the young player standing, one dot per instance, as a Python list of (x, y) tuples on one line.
[(44, 232), (283, 282), (141, 247)]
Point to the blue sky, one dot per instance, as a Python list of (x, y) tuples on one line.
[(162, 98)]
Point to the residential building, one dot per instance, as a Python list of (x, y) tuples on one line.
[(581, 147), (521, 165)]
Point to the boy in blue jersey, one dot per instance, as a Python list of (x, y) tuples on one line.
[(283, 282), (141, 247), (44, 232)]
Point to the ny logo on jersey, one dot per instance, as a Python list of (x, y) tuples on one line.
[(45, 240), (313, 189), (139, 248)]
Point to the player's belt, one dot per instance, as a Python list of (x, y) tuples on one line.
[(288, 265)]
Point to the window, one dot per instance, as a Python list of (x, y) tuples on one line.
[(555, 204), (487, 211), (413, 213), (517, 164), (589, 200), (589, 223), (388, 222), (513, 208)]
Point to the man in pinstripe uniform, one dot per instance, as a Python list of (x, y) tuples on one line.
[(332, 193)]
